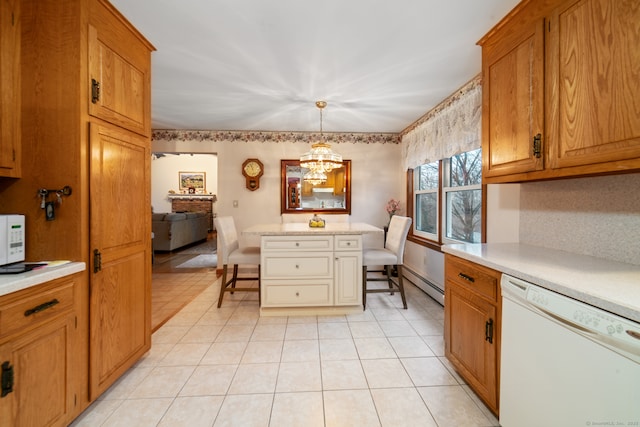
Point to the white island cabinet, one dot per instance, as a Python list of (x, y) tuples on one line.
[(311, 271)]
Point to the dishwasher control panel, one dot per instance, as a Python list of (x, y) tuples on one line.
[(606, 328)]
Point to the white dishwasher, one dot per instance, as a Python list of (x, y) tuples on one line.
[(565, 363)]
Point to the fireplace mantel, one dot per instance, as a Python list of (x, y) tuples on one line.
[(211, 197)]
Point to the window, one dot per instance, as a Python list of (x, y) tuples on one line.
[(447, 198), (426, 200), (462, 188)]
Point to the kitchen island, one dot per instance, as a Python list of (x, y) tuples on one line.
[(311, 270)]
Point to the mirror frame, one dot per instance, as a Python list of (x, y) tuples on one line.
[(283, 191)]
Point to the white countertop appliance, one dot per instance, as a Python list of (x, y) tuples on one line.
[(12, 239), (565, 363)]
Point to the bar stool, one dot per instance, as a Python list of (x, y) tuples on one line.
[(391, 254), (233, 254)]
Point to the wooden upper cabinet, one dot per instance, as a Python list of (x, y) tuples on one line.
[(566, 70), (513, 103), (119, 73), (594, 82), (10, 148)]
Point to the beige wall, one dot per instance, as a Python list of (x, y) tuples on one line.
[(376, 176)]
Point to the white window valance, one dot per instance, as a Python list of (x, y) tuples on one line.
[(451, 128)]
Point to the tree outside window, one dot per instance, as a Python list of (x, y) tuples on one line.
[(463, 193)]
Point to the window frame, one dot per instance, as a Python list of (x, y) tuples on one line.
[(434, 237), (411, 194)]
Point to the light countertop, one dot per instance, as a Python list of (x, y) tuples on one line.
[(303, 229), (610, 285), (16, 282)]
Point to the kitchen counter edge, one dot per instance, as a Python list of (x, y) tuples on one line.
[(10, 283), (609, 285)]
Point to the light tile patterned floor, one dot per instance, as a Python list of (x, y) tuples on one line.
[(231, 367)]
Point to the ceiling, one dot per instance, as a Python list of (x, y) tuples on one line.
[(260, 65)]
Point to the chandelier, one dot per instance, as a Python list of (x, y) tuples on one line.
[(321, 159), (315, 177)]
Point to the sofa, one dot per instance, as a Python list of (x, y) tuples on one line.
[(177, 229)]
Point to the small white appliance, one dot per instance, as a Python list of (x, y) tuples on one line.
[(565, 363), (12, 239)]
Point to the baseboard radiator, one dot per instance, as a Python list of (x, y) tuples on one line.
[(421, 282)]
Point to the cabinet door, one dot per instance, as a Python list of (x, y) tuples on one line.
[(120, 304), (469, 321), (348, 278), (513, 103), (41, 394), (594, 82), (119, 73), (10, 88)]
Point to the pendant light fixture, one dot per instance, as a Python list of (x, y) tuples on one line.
[(315, 177), (321, 159)]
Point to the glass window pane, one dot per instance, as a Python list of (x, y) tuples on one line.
[(464, 209), (427, 212), (466, 169), (428, 176)]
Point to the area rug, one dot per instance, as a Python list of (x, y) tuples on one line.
[(208, 247), (201, 261)]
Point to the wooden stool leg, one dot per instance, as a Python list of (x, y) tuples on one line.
[(401, 287), (388, 271), (234, 277), (364, 287), (223, 284)]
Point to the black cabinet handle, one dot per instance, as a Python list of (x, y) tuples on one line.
[(488, 331), (467, 278), (41, 307), (7, 378)]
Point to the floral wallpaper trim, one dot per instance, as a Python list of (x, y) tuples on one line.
[(452, 99), (256, 136)]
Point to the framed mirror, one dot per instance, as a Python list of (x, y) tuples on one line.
[(299, 196)]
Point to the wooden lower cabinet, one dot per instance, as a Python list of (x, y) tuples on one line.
[(472, 326), (38, 338)]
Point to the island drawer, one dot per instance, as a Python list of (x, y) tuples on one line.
[(348, 243), (298, 243), (296, 294), (36, 305), (285, 265)]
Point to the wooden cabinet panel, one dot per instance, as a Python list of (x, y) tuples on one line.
[(38, 343), (467, 344), (594, 78), (513, 108), (568, 71), (10, 136), (36, 309), (120, 305), (472, 326), (119, 72), (40, 361)]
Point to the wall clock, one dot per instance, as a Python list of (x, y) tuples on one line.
[(252, 169)]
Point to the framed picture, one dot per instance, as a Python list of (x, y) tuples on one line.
[(192, 180)]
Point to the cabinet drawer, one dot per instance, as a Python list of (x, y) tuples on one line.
[(348, 243), (474, 277), (298, 243), (293, 265), (311, 293), (35, 308)]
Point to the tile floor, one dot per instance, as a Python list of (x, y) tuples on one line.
[(230, 367)]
